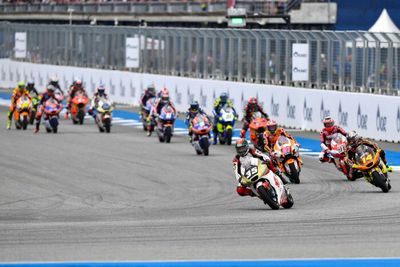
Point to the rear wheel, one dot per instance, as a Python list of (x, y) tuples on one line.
[(294, 174), (380, 181), (167, 134), (266, 196), (107, 125)]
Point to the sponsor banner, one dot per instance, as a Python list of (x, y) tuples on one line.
[(132, 52), (373, 116), (300, 54), (20, 45)]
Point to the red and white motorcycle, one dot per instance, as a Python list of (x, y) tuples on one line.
[(265, 184)]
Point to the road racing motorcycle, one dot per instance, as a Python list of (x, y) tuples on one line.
[(369, 162), (78, 107), (258, 126), (22, 113), (286, 152), (147, 119), (265, 184), (201, 127), (104, 115), (52, 109), (165, 124), (225, 125)]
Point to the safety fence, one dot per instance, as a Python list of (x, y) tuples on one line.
[(347, 61)]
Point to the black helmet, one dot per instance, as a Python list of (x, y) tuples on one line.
[(194, 107), (242, 147), (223, 97), (30, 84), (151, 90)]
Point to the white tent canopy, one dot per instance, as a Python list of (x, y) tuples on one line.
[(384, 24)]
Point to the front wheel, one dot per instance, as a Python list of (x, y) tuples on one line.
[(81, 117), (107, 125), (380, 181), (55, 128), (229, 137), (205, 145), (294, 174), (25, 123), (32, 118), (266, 196), (168, 134), (290, 200)]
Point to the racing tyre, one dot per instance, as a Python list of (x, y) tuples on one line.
[(32, 117), (107, 125), (380, 181), (168, 134), (266, 196), (48, 130), (229, 138), (290, 200), (55, 129), (294, 175), (81, 117), (25, 123)]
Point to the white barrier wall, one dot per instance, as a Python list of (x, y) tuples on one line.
[(373, 116)]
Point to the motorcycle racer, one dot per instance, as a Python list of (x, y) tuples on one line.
[(273, 133), (162, 102), (75, 87), (354, 140), (31, 88), (251, 108), (326, 137), (49, 93), (100, 93), (243, 151), (18, 92), (148, 93), (218, 104), (192, 112), (54, 81)]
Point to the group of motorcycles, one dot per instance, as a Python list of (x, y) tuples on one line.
[(163, 124), (26, 111)]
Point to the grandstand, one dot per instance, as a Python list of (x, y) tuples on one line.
[(201, 13)]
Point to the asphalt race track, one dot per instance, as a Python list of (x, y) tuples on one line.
[(84, 196)]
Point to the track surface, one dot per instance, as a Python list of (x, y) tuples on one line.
[(82, 195)]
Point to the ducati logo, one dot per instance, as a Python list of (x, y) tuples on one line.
[(112, 88), (132, 88), (190, 97), (203, 98)]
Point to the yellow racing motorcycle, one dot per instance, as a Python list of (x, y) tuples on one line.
[(369, 162)]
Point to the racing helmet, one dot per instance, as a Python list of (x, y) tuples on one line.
[(194, 107), (352, 137), (151, 90), (21, 85), (78, 83), (101, 89), (242, 147), (223, 97), (272, 126), (50, 89), (30, 84), (328, 123), (164, 94), (54, 80), (253, 104)]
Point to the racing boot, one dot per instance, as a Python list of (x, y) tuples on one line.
[(244, 191), (9, 125), (389, 168)]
